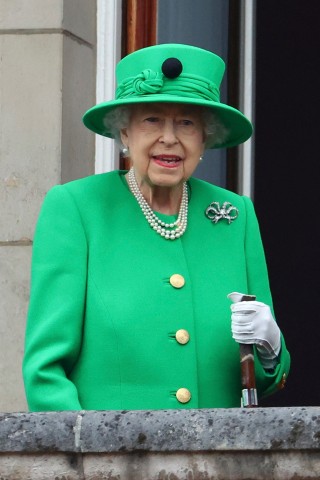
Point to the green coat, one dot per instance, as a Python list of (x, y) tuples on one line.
[(103, 314)]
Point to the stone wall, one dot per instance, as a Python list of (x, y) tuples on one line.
[(221, 444), (47, 81)]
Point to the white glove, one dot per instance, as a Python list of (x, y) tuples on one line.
[(252, 323)]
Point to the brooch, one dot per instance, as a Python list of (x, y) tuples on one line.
[(215, 213)]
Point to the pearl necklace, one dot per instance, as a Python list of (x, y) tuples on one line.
[(169, 231)]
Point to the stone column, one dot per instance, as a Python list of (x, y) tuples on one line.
[(47, 81)]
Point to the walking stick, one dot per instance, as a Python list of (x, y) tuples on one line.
[(249, 398)]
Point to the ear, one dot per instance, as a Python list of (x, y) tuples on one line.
[(204, 139), (203, 144), (124, 137)]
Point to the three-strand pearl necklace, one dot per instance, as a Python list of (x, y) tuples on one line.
[(170, 231)]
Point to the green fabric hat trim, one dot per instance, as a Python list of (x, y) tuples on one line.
[(172, 73)]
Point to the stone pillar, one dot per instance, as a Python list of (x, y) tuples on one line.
[(47, 81)]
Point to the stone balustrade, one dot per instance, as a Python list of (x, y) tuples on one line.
[(217, 444)]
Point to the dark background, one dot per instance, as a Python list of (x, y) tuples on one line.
[(287, 193)]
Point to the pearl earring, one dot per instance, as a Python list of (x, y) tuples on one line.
[(201, 158), (125, 151)]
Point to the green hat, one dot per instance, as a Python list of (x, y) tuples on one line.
[(172, 73)]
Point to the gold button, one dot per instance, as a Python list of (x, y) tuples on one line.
[(177, 281), (183, 395), (182, 336)]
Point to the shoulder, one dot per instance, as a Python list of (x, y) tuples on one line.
[(205, 188), (212, 193), (87, 200), (85, 197), (94, 182), (89, 189)]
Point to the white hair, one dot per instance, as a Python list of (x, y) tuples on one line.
[(215, 131), (119, 118)]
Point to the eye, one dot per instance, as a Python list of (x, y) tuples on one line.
[(151, 119), (186, 122)]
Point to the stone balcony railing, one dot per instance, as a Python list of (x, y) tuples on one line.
[(219, 444)]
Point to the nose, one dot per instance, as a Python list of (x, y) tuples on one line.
[(168, 134)]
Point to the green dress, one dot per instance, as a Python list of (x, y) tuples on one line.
[(108, 296)]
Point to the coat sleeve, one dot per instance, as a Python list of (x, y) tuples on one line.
[(258, 283), (56, 308)]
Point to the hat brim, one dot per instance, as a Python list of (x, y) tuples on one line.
[(239, 128)]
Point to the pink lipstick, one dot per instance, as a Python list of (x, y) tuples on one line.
[(167, 161)]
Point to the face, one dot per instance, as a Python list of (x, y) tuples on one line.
[(165, 142)]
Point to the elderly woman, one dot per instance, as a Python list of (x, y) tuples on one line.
[(131, 271)]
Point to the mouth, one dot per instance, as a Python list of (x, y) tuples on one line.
[(167, 161)]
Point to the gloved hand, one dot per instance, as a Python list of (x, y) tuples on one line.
[(252, 323)]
